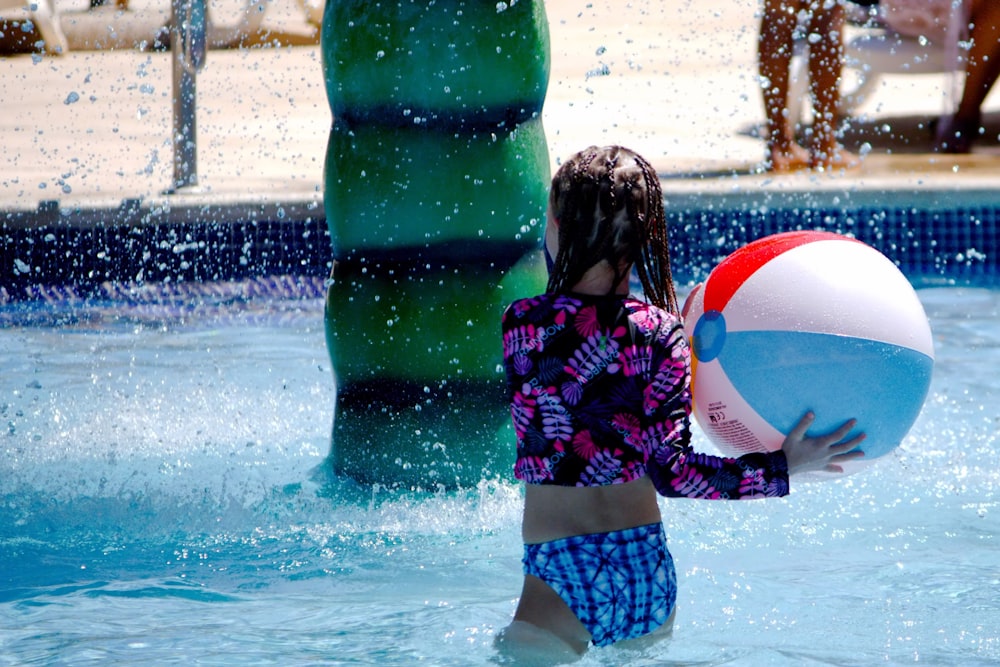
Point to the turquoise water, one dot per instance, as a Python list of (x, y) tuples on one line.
[(160, 502)]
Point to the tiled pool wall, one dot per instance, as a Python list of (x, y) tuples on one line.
[(81, 252), (935, 238)]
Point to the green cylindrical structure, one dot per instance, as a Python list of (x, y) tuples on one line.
[(436, 180)]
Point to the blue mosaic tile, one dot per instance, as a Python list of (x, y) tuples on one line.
[(952, 245)]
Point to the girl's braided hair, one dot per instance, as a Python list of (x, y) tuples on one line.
[(609, 206)]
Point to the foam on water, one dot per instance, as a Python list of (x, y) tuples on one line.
[(162, 499)]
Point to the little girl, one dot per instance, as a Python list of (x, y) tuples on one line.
[(598, 383)]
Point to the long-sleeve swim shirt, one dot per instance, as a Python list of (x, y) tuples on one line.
[(600, 393)]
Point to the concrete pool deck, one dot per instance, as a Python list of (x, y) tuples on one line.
[(89, 131)]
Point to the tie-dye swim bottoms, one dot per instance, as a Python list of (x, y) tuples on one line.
[(620, 584)]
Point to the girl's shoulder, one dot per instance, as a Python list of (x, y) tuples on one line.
[(609, 309), (650, 318), (542, 306)]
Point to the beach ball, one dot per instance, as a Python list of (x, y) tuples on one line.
[(801, 321)]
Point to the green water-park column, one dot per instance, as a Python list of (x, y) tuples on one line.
[(436, 181)]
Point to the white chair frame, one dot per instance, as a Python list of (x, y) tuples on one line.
[(42, 15)]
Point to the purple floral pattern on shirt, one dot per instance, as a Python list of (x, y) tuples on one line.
[(599, 394)]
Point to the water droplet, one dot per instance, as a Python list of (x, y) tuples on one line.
[(600, 70)]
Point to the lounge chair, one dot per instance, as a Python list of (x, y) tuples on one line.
[(870, 51)]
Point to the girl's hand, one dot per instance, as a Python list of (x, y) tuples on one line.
[(823, 452)]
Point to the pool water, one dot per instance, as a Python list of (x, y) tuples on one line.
[(163, 501)]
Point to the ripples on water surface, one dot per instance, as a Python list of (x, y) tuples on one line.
[(159, 503)]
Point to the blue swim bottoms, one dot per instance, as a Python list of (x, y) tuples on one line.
[(620, 584)]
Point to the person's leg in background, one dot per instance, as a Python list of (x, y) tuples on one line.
[(826, 63), (825, 21), (981, 73), (774, 53)]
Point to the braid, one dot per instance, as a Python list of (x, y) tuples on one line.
[(571, 196), (609, 207), (653, 266)]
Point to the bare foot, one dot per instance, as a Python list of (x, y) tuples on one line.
[(783, 160), (833, 158)]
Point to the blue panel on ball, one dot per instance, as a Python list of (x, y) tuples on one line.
[(709, 336), (782, 374)]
